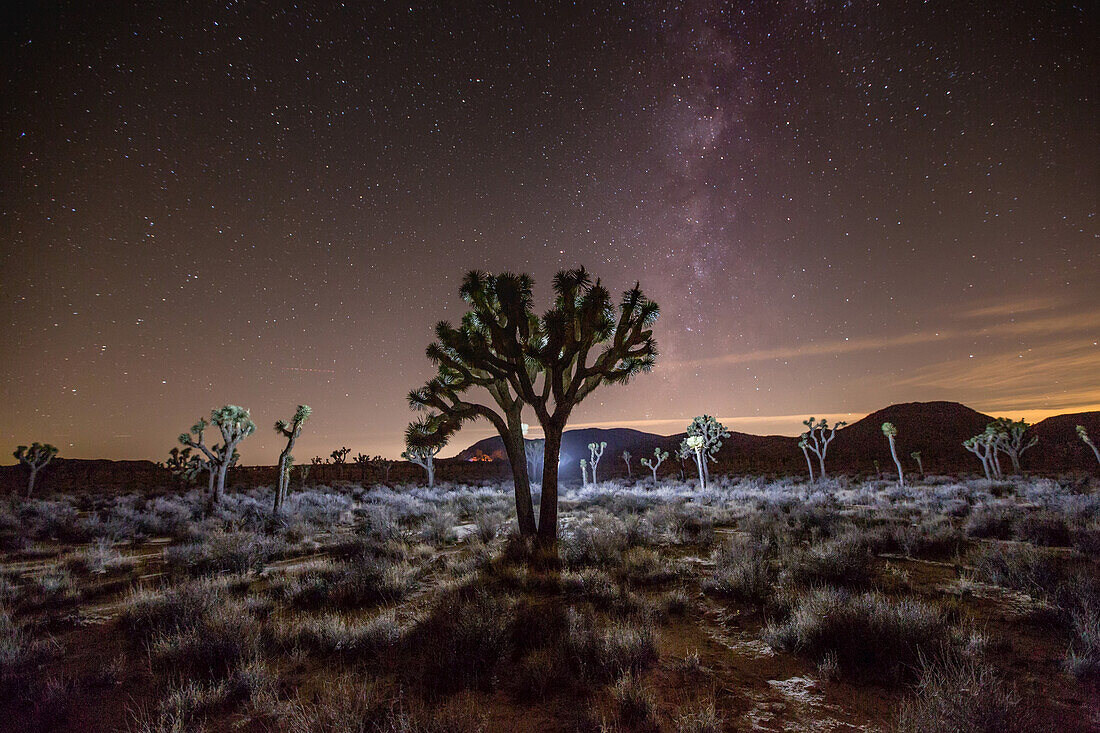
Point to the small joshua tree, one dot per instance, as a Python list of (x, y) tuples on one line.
[(891, 433), (318, 463), (806, 452), (584, 472), (35, 458), (659, 457), (818, 435), (626, 459), (235, 424), (915, 455), (595, 451), (303, 474), (712, 432), (183, 466), (696, 444), (1084, 436), (340, 457), (423, 440), (984, 446), (363, 461), (289, 430), (386, 464)]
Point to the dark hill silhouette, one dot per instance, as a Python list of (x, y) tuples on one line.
[(936, 429), (1059, 445)]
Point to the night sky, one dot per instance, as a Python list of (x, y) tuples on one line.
[(838, 206)]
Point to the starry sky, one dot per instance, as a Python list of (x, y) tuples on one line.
[(838, 206)]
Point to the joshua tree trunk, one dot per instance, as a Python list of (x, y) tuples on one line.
[(809, 463), (548, 504), (30, 481), (516, 448), (654, 470), (1095, 451), (894, 453), (699, 464)]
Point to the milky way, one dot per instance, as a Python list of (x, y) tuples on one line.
[(837, 205)]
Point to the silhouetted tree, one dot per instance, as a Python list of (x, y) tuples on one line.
[(340, 457), (915, 455), (464, 358), (818, 436), (552, 362), (35, 458), (289, 430)]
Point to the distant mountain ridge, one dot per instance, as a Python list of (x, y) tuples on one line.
[(936, 429)]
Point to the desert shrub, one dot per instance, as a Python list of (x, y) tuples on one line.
[(592, 584), (221, 641), (743, 570), (21, 658), (370, 580), (147, 613), (1021, 568), (646, 567), (486, 525), (335, 633), (1043, 528), (609, 652), (223, 552), (936, 538), (597, 540), (53, 587), (992, 521), (961, 694), (869, 634), (98, 558), (460, 641), (438, 528), (843, 560)]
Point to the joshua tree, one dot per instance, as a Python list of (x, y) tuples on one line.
[(712, 432), (423, 440), (35, 458), (659, 457), (290, 431), (1012, 439), (363, 461), (891, 432), (806, 452), (584, 472), (915, 455), (595, 451), (318, 463), (303, 474), (1084, 436), (552, 362), (697, 445), (984, 446), (626, 459), (467, 357), (340, 457), (235, 424), (386, 465), (183, 466), (818, 436)]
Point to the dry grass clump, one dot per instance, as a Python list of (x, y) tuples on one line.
[(843, 560), (961, 694), (334, 634), (1020, 568), (869, 634), (21, 658), (744, 570), (702, 717), (99, 558), (634, 704)]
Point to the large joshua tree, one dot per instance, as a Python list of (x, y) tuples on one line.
[(289, 430), (465, 358), (712, 432), (1084, 436), (818, 435), (984, 446), (696, 446), (35, 457), (891, 433), (553, 361), (235, 424)]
